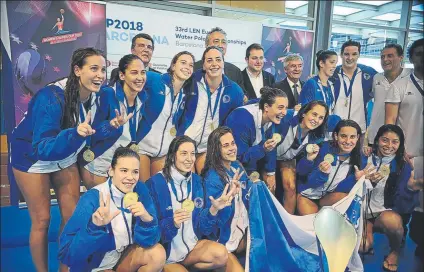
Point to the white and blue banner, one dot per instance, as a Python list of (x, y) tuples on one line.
[(279, 241), (174, 32)]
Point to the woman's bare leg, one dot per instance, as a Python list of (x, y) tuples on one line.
[(144, 167)]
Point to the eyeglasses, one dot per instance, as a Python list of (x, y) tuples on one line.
[(143, 46)]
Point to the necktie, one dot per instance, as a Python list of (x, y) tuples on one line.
[(295, 94)]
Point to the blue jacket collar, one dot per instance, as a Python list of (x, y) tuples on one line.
[(177, 177), (167, 80)]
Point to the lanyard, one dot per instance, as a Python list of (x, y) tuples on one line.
[(133, 120), (174, 190), (123, 210), (416, 84), (180, 97), (208, 91), (328, 94), (346, 90), (82, 116)]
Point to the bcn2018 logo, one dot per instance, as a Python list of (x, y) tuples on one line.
[(118, 24)]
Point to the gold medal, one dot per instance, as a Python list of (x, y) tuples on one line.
[(276, 137), (329, 158), (134, 147), (384, 170), (130, 198), (254, 176), (173, 132), (212, 127), (88, 155), (347, 102), (188, 205), (310, 148)]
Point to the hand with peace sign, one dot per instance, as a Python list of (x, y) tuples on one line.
[(120, 120), (235, 181), (223, 201), (366, 171), (102, 215), (84, 129)]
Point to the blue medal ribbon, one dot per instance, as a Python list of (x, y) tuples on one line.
[(328, 94), (180, 97), (82, 116), (208, 91), (122, 209), (346, 90)]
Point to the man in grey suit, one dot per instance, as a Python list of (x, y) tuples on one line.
[(292, 85), (218, 37)]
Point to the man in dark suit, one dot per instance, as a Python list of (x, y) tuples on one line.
[(254, 77), (291, 85), (143, 46), (218, 37)]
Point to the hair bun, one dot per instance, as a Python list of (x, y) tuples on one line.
[(319, 53)]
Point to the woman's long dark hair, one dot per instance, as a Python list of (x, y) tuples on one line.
[(172, 154), (214, 156), (355, 155), (72, 89), (399, 155), (124, 62), (320, 131)]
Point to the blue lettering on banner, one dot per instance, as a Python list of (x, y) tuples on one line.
[(126, 25), (127, 36)]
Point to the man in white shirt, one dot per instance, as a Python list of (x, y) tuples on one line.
[(353, 85), (254, 78), (391, 57), (292, 85), (405, 108)]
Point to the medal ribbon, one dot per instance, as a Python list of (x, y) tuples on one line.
[(82, 116), (133, 120), (180, 97), (208, 91), (174, 190), (122, 209), (328, 94), (346, 90)]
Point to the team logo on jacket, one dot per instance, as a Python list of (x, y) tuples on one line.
[(161, 92), (182, 105), (243, 184), (169, 208), (226, 98), (198, 202), (367, 76)]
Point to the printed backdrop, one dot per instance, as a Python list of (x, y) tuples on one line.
[(280, 42), (174, 32), (43, 35)]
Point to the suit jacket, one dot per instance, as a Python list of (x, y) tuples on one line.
[(268, 79), (115, 72), (230, 70), (285, 87)]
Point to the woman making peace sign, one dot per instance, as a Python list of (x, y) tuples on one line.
[(114, 225)]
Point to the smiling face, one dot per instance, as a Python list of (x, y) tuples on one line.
[(314, 117), (228, 148), (388, 144), (185, 158), (350, 56), (218, 39), (276, 111), (125, 174), (255, 62), (294, 69), (390, 60), (183, 68), (346, 139), (92, 74), (134, 77), (329, 65), (213, 64), (143, 49)]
